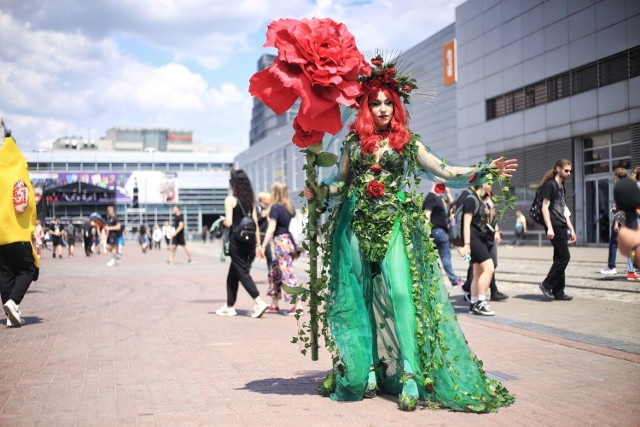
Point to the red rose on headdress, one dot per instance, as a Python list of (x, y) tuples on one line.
[(375, 168), (439, 188), (317, 61), (407, 88), (375, 189), (377, 62), (302, 138)]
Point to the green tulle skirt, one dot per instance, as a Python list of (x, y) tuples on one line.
[(394, 316)]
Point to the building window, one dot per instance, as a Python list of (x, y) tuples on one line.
[(615, 68)]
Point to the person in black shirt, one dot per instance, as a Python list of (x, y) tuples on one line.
[(113, 228), (436, 209), (478, 240), (177, 239), (55, 231), (557, 222)]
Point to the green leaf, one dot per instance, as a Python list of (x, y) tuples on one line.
[(298, 290), (326, 159)]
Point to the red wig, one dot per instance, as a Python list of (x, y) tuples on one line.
[(398, 134)]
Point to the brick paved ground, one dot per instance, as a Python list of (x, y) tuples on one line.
[(139, 344)]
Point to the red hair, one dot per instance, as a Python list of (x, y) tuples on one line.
[(398, 134)]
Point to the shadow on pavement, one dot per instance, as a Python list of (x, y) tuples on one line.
[(305, 384)]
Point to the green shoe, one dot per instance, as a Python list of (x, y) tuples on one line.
[(327, 386), (408, 400)]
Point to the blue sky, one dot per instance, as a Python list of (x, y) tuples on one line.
[(74, 67)]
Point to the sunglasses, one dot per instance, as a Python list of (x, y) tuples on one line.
[(567, 171)]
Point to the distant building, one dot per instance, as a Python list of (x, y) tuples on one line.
[(150, 139), (79, 143)]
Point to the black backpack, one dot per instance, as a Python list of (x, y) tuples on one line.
[(535, 213), (456, 227), (245, 231)]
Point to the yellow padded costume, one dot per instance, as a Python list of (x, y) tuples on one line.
[(14, 226)]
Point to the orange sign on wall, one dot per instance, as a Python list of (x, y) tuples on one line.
[(449, 62)]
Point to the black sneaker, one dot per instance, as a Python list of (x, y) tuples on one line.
[(498, 296), (563, 297), (471, 306), (546, 291), (483, 308)]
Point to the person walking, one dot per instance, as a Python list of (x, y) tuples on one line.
[(113, 229), (479, 239), (521, 229), (241, 252), (618, 220), (436, 209), (70, 233), (19, 263), (264, 203), (282, 272), (56, 231), (177, 238), (157, 236), (557, 223)]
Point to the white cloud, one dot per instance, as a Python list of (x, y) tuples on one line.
[(65, 69)]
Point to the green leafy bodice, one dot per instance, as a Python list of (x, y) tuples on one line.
[(381, 192)]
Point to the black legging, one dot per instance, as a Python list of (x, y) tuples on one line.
[(241, 258)]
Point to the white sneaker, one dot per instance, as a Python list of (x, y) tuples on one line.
[(609, 271), (111, 263), (10, 325), (226, 311), (13, 313), (259, 309)]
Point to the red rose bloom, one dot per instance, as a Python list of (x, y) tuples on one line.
[(376, 62), (375, 189), (473, 177), (319, 62), (375, 168), (440, 188), (407, 88), (302, 138)]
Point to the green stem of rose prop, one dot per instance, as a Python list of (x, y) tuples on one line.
[(318, 62)]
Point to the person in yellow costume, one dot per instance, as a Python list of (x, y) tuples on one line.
[(19, 264)]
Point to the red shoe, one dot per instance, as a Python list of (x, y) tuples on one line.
[(272, 309), (632, 275)]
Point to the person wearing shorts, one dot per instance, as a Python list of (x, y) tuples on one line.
[(177, 238), (113, 228), (478, 239)]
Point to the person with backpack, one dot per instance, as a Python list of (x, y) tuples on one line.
[(436, 209), (281, 273), (557, 223), (478, 237), (244, 241)]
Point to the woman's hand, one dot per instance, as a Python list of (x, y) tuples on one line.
[(259, 251), (465, 250), (309, 193), (506, 167)]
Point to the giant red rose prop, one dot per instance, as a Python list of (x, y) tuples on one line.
[(302, 138), (375, 189), (317, 61)]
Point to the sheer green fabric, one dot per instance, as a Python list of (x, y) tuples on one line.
[(390, 308)]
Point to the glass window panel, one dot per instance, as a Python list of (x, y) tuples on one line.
[(622, 150), (591, 217), (596, 154), (602, 167), (624, 136), (585, 78), (614, 69)]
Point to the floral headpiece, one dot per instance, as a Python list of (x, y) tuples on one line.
[(399, 76)]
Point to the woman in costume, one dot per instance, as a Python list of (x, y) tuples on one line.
[(387, 308)]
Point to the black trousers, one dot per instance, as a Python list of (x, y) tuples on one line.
[(555, 278), (17, 270), (241, 258)]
